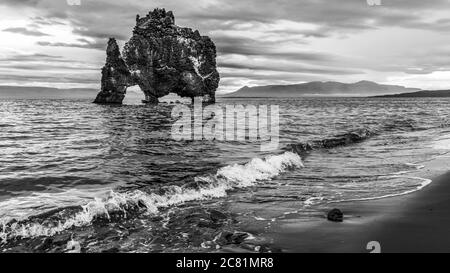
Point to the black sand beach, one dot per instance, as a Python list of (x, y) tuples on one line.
[(415, 223)]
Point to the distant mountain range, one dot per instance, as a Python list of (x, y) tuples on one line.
[(322, 89), (31, 92), (420, 94), (311, 89), (24, 92)]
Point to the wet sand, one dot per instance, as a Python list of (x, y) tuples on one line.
[(417, 222)]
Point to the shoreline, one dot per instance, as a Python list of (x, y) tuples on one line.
[(417, 222)]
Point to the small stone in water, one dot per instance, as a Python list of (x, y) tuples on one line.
[(335, 215)]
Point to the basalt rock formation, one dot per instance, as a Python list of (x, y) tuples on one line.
[(160, 58), (115, 76)]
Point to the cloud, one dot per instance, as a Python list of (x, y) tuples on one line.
[(336, 15), (253, 47), (288, 67), (32, 58), (20, 2), (38, 62), (260, 41), (101, 35), (56, 78), (41, 21), (83, 44), (36, 67), (25, 31)]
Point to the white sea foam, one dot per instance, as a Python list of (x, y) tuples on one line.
[(442, 143), (414, 165), (259, 169), (214, 186), (417, 166), (73, 247), (425, 182), (312, 200)]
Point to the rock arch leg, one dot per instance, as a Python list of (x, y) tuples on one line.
[(115, 76)]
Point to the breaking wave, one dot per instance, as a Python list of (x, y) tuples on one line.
[(425, 182), (340, 140), (356, 136), (118, 205)]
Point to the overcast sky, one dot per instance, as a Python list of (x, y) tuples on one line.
[(406, 42)]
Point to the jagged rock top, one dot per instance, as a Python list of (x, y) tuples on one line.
[(157, 17), (161, 23)]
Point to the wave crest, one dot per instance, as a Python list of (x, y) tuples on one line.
[(329, 143), (116, 205), (259, 169)]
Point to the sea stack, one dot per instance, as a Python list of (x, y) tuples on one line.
[(160, 58)]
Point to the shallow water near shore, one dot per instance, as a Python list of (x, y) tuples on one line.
[(111, 178)]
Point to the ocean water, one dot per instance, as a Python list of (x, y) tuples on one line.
[(111, 178)]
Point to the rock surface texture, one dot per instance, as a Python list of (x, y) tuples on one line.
[(160, 58), (335, 215)]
